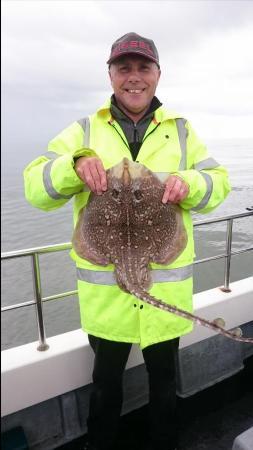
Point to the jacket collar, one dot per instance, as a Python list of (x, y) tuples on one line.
[(117, 113), (160, 114)]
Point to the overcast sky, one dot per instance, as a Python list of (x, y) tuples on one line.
[(54, 63)]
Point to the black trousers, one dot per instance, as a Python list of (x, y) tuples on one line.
[(107, 395)]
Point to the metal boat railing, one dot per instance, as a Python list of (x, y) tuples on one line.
[(35, 252)]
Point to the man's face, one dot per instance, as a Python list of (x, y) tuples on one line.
[(134, 80)]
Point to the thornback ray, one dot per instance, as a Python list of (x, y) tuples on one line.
[(130, 227)]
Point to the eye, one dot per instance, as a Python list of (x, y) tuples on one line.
[(138, 195), (123, 69), (115, 194), (145, 68)]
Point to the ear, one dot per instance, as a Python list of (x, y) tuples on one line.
[(110, 75)]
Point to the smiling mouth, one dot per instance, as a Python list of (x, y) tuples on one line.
[(134, 91)]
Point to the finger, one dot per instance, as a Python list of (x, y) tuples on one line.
[(81, 168), (168, 188), (96, 177), (175, 191), (79, 171), (182, 193), (88, 178), (102, 174)]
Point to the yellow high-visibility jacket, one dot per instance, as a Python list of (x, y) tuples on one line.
[(170, 145)]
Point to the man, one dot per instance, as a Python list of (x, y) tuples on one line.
[(131, 124)]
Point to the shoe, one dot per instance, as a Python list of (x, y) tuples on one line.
[(88, 446), (153, 448)]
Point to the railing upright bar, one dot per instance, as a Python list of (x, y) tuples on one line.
[(229, 239), (38, 297)]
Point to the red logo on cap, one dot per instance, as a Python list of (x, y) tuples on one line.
[(132, 44)]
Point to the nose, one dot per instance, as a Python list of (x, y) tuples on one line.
[(134, 76)]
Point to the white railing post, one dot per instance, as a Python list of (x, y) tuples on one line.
[(38, 305), (229, 239)]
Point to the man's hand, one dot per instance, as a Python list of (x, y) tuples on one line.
[(91, 171), (176, 190)]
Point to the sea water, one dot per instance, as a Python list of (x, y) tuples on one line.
[(24, 227)]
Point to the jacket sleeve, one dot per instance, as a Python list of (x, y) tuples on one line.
[(207, 180), (50, 180)]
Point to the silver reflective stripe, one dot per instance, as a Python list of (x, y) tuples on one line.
[(208, 163), (49, 185), (158, 275), (85, 188), (182, 135), (164, 275), (85, 124), (162, 176), (209, 190), (96, 276), (51, 155), (82, 122)]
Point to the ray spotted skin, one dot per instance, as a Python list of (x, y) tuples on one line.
[(129, 226)]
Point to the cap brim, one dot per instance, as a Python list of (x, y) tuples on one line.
[(132, 53)]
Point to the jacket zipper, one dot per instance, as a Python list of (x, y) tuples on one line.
[(135, 133), (126, 143), (159, 123)]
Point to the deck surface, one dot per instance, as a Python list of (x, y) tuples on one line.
[(209, 420)]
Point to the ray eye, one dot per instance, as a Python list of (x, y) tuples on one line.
[(138, 195), (115, 193)]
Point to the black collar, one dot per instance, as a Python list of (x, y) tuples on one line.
[(117, 113)]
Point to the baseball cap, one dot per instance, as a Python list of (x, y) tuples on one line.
[(133, 43)]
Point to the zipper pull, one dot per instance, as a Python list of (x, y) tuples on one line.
[(135, 133)]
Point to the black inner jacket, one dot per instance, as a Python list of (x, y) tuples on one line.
[(134, 132)]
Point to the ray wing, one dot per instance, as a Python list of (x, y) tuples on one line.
[(85, 241), (169, 239)]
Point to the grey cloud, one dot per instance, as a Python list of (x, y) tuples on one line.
[(54, 54), (170, 23)]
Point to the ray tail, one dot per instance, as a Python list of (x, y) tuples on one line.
[(147, 298)]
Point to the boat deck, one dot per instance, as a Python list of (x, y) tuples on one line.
[(209, 420)]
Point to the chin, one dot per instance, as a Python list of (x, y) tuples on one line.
[(136, 108)]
